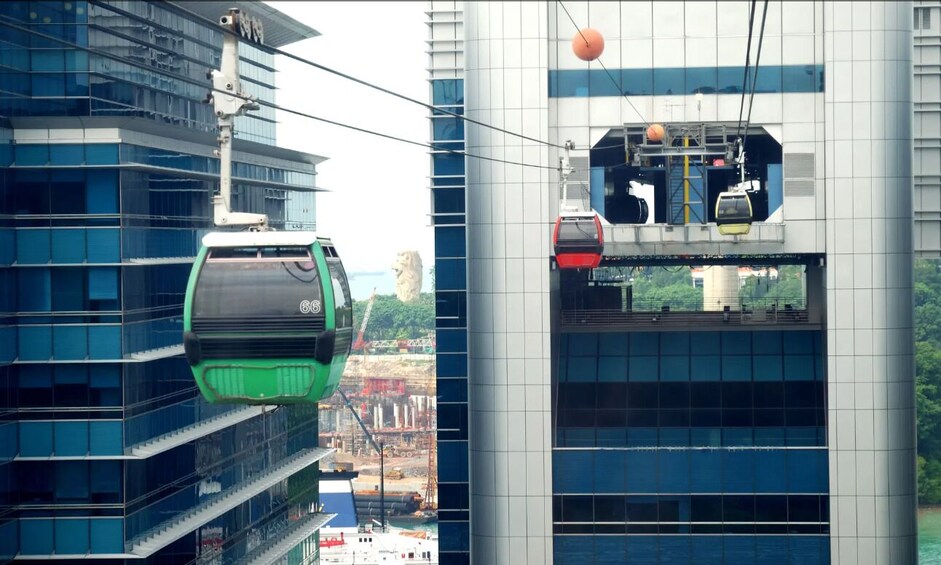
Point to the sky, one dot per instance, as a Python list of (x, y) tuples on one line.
[(379, 202)]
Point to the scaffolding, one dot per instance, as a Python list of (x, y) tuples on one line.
[(683, 154)]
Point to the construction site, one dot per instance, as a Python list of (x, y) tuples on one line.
[(387, 403)]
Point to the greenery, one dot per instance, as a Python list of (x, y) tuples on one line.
[(393, 319), (787, 289), (656, 286), (928, 379)]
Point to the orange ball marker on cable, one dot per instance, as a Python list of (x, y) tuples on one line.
[(655, 132), (588, 44)]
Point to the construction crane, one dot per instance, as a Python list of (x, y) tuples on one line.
[(380, 449), (360, 344), (431, 487)]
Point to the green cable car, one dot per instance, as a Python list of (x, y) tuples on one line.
[(268, 318)]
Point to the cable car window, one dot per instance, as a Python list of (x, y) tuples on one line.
[(235, 289), (734, 207), (285, 252), (578, 231), (341, 294), (233, 253)]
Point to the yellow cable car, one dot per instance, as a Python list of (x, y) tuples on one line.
[(734, 213)]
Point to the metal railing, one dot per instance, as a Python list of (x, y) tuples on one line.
[(764, 311)]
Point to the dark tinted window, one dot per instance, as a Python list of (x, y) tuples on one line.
[(578, 230), (341, 294), (280, 284)]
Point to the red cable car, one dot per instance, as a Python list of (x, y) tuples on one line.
[(578, 240)]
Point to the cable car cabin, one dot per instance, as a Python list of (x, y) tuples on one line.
[(578, 240), (733, 213), (268, 318)]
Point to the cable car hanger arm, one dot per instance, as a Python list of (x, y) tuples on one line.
[(229, 101)]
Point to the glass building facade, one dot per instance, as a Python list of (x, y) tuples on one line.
[(626, 436), (448, 205), (107, 450), (678, 444)]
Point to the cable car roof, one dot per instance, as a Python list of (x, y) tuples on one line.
[(260, 238)]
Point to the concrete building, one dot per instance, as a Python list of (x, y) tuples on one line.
[(576, 427), (107, 451)]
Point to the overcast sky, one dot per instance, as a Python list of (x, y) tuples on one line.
[(379, 200)]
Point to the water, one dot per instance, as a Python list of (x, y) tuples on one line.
[(929, 536)]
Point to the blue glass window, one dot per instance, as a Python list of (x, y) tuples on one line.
[(35, 343), (36, 536), (63, 154), (448, 164), (36, 439), (604, 84), (449, 201), (452, 390), (701, 79), (568, 83), (669, 81), (68, 246), (705, 367), (674, 549), (708, 475), (107, 535), (452, 461), (613, 344), (447, 92), (612, 369), (707, 549), (768, 79), (71, 536), (447, 129), (641, 550), (800, 78), (101, 154), (450, 274), (730, 80), (642, 472), (102, 192), (69, 342), (637, 82), (451, 365), (104, 246), (450, 242), (569, 474)]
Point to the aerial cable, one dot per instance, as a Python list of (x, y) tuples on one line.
[(434, 109), (175, 76), (741, 107), (754, 84), (616, 83)]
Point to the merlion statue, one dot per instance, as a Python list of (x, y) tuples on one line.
[(408, 272)]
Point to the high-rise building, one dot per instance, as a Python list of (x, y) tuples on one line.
[(926, 61), (106, 173), (587, 418)]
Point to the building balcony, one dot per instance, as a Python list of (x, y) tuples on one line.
[(167, 531)]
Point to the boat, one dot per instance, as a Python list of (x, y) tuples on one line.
[(344, 540)]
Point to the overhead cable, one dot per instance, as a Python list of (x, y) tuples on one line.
[(741, 106), (754, 84), (617, 84), (4, 22), (433, 108)]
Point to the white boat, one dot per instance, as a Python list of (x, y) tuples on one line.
[(372, 547), (343, 541)]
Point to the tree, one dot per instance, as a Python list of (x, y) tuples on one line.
[(393, 319), (654, 287), (927, 299)]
